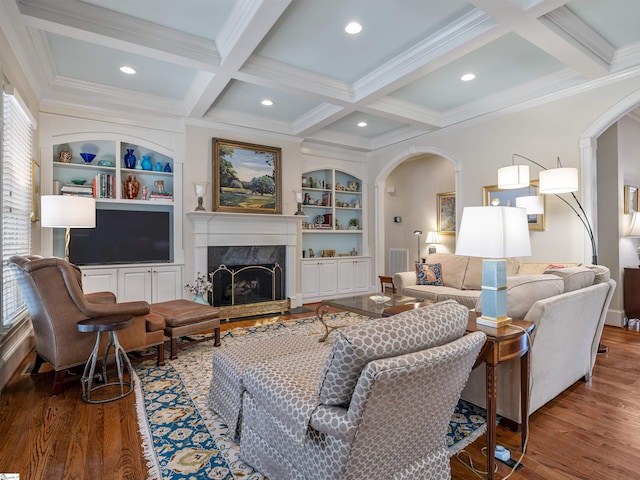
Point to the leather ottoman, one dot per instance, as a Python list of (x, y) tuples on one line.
[(183, 318)]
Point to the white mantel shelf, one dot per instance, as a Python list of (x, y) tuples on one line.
[(211, 229)]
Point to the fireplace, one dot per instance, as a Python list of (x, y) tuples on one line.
[(245, 232), (245, 275)]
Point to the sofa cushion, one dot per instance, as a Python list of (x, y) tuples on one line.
[(453, 267), (406, 332), (527, 268), (428, 274), (602, 273), (525, 290), (574, 278), (473, 275)]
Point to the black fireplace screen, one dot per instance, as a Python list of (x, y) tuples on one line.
[(245, 284)]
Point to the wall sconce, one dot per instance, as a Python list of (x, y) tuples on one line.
[(201, 190)]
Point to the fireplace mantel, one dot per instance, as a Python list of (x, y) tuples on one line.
[(224, 228)]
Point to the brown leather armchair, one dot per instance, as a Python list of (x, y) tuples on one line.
[(52, 289)]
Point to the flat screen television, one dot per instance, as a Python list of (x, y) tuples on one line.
[(123, 236)]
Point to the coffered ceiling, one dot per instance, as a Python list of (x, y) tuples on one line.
[(216, 60)]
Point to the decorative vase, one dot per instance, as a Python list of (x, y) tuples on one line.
[(146, 162), (167, 167), (129, 159), (131, 188), (158, 167), (199, 298), (65, 156)]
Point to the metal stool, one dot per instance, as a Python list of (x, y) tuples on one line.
[(109, 324)]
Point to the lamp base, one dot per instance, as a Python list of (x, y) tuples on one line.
[(199, 208), (493, 322), (299, 212)]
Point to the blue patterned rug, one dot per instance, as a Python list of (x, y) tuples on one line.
[(184, 439)]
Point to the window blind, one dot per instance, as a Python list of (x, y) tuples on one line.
[(17, 141)]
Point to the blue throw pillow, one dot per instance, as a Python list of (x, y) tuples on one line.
[(428, 274)]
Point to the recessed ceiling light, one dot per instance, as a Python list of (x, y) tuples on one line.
[(127, 70), (266, 102), (467, 77), (362, 124), (353, 28)]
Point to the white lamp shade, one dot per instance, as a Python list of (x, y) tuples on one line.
[(634, 228), (513, 176), (533, 204), (60, 211), (493, 232), (200, 189), (432, 238), (559, 180)]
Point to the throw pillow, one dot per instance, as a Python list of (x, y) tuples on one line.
[(428, 274)]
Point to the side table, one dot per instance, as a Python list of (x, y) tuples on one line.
[(503, 344), (110, 324)]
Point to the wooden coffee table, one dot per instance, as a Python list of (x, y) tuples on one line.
[(366, 306)]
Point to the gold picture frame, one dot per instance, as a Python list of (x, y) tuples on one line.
[(492, 195), (447, 213), (630, 199), (246, 177)]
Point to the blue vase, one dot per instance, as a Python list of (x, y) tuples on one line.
[(199, 298), (129, 159), (167, 167), (158, 167), (146, 162)]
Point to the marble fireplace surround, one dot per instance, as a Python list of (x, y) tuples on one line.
[(219, 229)]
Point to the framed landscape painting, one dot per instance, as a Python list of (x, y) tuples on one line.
[(492, 195), (447, 213), (246, 177)]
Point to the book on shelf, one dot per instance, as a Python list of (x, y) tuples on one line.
[(104, 185), (73, 188), (161, 196)]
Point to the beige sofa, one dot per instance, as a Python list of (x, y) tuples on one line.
[(568, 307)]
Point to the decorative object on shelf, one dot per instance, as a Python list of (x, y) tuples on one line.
[(299, 200), (257, 188), (146, 162), (167, 167), (354, 252), (354, 224), (65, 156), (353, 186), (418, 233), (447, 213), (129, 159), (328, 253), (304, 182), (88, 157), (517, 197), (145, 193), (106, 163), (200, 189), (131, 188), (68, 211), (432, 240), (199, 288), (494, 234), (78, 181), (158, 167), (552, 181), (159, 186)]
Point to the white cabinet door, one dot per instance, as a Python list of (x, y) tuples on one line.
[(319, 278), (100, 280), (134, 284), (353, 275), (166, 283)]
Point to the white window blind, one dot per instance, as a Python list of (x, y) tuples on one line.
[(17, 131)]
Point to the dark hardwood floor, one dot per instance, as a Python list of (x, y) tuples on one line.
[(591, 431)]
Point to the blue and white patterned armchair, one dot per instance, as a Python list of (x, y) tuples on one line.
[(375, 405)]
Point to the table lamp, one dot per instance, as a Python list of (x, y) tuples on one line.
[(494, 233), (200, 190), (432, 240), (67, 211)]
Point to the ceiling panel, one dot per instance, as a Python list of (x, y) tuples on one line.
[(310, 35), (617, 21), (375, 125), (502, 64)]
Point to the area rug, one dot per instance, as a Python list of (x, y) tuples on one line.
[(184, 439)]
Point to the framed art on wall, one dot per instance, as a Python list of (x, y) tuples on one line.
[(630, 199), (447, 213), (492, 195), (246, 177)]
